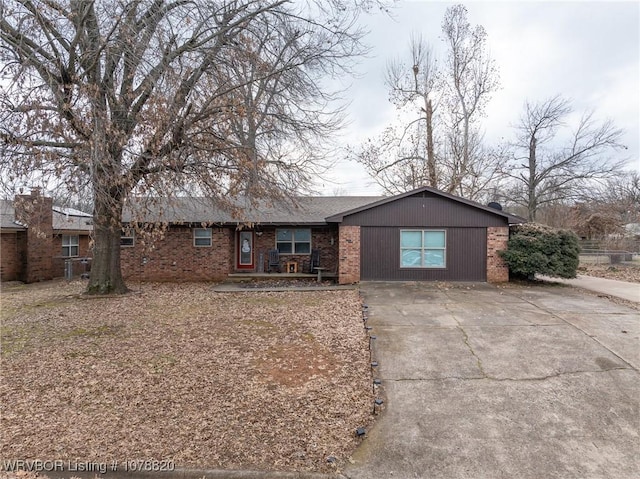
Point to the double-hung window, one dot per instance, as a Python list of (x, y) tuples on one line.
[(423, 249), (70, 245), (202, 236), (293, 241)]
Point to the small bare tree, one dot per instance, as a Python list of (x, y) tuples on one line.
[(155, 97), (550, 170)]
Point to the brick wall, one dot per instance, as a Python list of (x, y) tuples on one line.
[(497, 270), (349, 254), (58, 260), (36, 212), (12, 254), (175, 258)]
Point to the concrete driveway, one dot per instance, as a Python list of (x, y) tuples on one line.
[(513, 382)]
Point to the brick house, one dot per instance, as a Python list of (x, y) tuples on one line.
[(36, 238), (421, 235)]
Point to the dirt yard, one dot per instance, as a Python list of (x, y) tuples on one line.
[(250, 380), (622, 271)]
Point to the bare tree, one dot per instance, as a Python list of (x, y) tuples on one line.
[(552, 170), (153, 97), (472, 77), (415, 86), (440, 144)]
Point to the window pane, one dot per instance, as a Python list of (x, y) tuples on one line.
[(284, 248), (411, 239), (303, 248), (434, 239), (302, 236), (203, 242), (202, 233), (283, 235), (434, 258), (74, 251), (410, 257)]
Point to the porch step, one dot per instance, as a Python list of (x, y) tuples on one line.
[(239, 277)]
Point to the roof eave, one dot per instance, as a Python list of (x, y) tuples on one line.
[(339, 217)]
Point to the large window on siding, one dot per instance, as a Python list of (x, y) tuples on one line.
[(70, 245), (293, 241), (423, 249)]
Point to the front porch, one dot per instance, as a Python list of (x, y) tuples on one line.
[(321, 275)]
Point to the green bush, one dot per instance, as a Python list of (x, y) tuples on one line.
[(535, 248)]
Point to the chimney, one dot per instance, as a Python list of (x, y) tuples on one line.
[(36, 212)]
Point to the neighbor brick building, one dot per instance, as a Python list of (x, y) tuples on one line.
[(36, 238)]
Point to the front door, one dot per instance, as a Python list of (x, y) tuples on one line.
[(244, 258)]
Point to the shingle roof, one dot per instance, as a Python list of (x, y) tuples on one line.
[(8, 216), (307, 210), (63, 218), (71, 219)]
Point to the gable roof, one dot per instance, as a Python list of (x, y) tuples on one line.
[(307, 210), (8, 217), (71, 219), (63, 219), (339, 217)]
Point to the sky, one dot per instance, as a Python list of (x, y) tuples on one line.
[(586, 51)]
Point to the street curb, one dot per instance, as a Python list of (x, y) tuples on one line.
[(192, 474)]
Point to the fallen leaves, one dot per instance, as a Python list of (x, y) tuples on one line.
[(622, 272), (257, 380)]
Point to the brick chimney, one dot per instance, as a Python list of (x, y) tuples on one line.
[(36, 212)]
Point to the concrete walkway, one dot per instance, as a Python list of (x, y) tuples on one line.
[(514, 382), (619, 289)]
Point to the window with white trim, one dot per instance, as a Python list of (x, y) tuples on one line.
[(202, 237), (293, 241), (70, 245), (423, 249), (127, 238)]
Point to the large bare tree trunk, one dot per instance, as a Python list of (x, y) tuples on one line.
[(431, 157), (532, 197), (108, 191), (106, 275)]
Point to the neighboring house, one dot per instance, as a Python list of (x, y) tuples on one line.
[(36, 238), (422, 235)]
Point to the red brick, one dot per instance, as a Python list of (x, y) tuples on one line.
[(497, 269), (349, 254)]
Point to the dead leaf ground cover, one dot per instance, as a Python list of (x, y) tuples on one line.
[(629, 271), (258, 380)]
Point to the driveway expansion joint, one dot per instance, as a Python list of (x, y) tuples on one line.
[(497, 379)]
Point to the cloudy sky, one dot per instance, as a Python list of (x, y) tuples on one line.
[(585, 51)]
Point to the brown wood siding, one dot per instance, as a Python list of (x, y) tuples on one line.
[(466, 256), (425, 211)]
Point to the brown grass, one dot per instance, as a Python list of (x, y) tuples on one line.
[(251, 380)]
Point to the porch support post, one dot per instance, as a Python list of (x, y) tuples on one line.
[(348, 254)]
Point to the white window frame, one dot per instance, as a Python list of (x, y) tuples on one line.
[(208, 237), (424, 248), (69, 245), (293, 241), (127, 238)]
